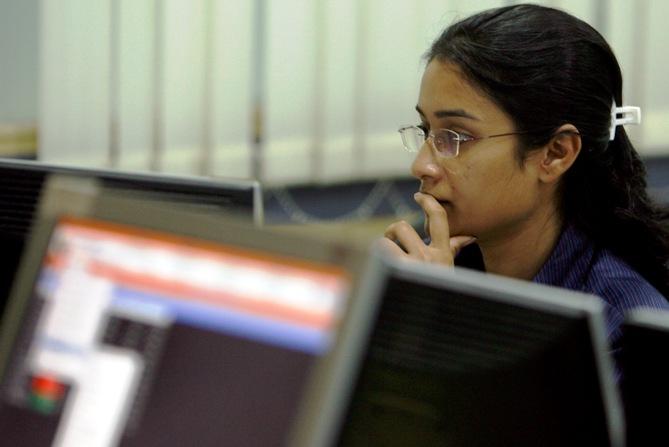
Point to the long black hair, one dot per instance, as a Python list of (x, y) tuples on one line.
[(546, 68)]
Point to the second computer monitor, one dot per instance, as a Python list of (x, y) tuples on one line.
[(21, 183), (645, 366), (461, 358)]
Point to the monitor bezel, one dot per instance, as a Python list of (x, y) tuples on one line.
[(647, 318)]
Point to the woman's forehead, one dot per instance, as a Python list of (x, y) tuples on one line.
[(444, 87)]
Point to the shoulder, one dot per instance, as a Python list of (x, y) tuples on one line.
[(620, 285)]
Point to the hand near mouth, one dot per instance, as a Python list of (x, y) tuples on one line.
[(402, 240)]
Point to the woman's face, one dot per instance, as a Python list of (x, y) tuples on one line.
[(485, 191)]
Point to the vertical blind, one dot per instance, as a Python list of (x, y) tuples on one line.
[(285, 91)]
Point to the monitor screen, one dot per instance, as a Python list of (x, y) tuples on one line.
[(138, 337), (21, 183), (460, 358), (645, 368)]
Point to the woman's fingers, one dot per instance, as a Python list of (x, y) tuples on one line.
[(405, 236), (392, 247), (437, 220), (404, 241)]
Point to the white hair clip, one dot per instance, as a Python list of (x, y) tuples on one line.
[(630, 115)]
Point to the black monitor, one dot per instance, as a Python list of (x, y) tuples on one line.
[(460, 358), (135, 325), (645, 381), (21, 183)]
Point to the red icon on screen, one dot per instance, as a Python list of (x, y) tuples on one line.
[(46, 393)]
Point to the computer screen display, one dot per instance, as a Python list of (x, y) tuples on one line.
[(645, 368), (460, 358), (21, 184), (138, 337)]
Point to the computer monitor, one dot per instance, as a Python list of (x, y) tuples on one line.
[(645, 367), (163, 327), (22, 181), (456, 357)]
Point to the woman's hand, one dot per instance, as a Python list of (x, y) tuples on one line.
[(402, 240)]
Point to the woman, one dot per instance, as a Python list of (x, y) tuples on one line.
[(518, 152)]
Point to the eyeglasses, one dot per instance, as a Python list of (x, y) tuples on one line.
[(445, 141)]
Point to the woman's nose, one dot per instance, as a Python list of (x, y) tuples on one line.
[(425, 164)]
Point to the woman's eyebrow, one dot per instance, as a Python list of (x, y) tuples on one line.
[(450, 112)]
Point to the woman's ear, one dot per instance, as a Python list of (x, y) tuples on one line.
[(559, 154)]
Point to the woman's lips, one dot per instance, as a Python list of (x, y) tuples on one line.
[(444, 203), (440, 200)]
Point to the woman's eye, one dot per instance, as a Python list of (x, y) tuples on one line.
[(463, 136)]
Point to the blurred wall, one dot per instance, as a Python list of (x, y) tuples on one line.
[(19, 41), (288, 91)]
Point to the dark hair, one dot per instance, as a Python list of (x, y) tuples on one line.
[(546, 68)]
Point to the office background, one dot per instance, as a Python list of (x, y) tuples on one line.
[(304, 95)]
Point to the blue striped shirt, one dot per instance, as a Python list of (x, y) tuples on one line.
[(577, 264)]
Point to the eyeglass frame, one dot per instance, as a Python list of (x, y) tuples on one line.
[(460, 138)]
